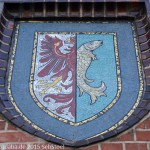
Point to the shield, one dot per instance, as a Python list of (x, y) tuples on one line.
[(65, 82), (61, 80)]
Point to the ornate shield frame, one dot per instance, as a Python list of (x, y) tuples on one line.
[(96, 11)]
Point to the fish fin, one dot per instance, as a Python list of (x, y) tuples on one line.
[(104, 94), (88, 80), (93, 98), (81, 91), (102, 87)]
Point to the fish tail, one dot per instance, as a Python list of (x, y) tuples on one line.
[(103, 87), (97, 92)]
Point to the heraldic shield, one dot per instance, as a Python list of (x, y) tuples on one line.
[(75, 82)]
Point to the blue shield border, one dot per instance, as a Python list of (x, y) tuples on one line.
[(109, 129)]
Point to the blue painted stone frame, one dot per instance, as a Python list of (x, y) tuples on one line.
[(131, 82)]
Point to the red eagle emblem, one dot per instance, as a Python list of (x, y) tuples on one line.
[(57, 56)]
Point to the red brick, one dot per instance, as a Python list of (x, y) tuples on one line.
[(147, 124), (110, 146), (11, 127), (16, 147), (2, 125), (1, 117), (144, 125), (136, 146), (141, 126), (143, 135), (125, 137), (16, 137), (94, 147)]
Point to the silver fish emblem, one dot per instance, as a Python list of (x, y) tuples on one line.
[(84, 59)]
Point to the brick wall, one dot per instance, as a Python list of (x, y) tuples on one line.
[(136, 138)]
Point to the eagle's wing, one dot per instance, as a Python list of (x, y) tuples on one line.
[(53, 60), (58, 61)]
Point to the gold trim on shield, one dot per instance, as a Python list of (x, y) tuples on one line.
[(117, 71)]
